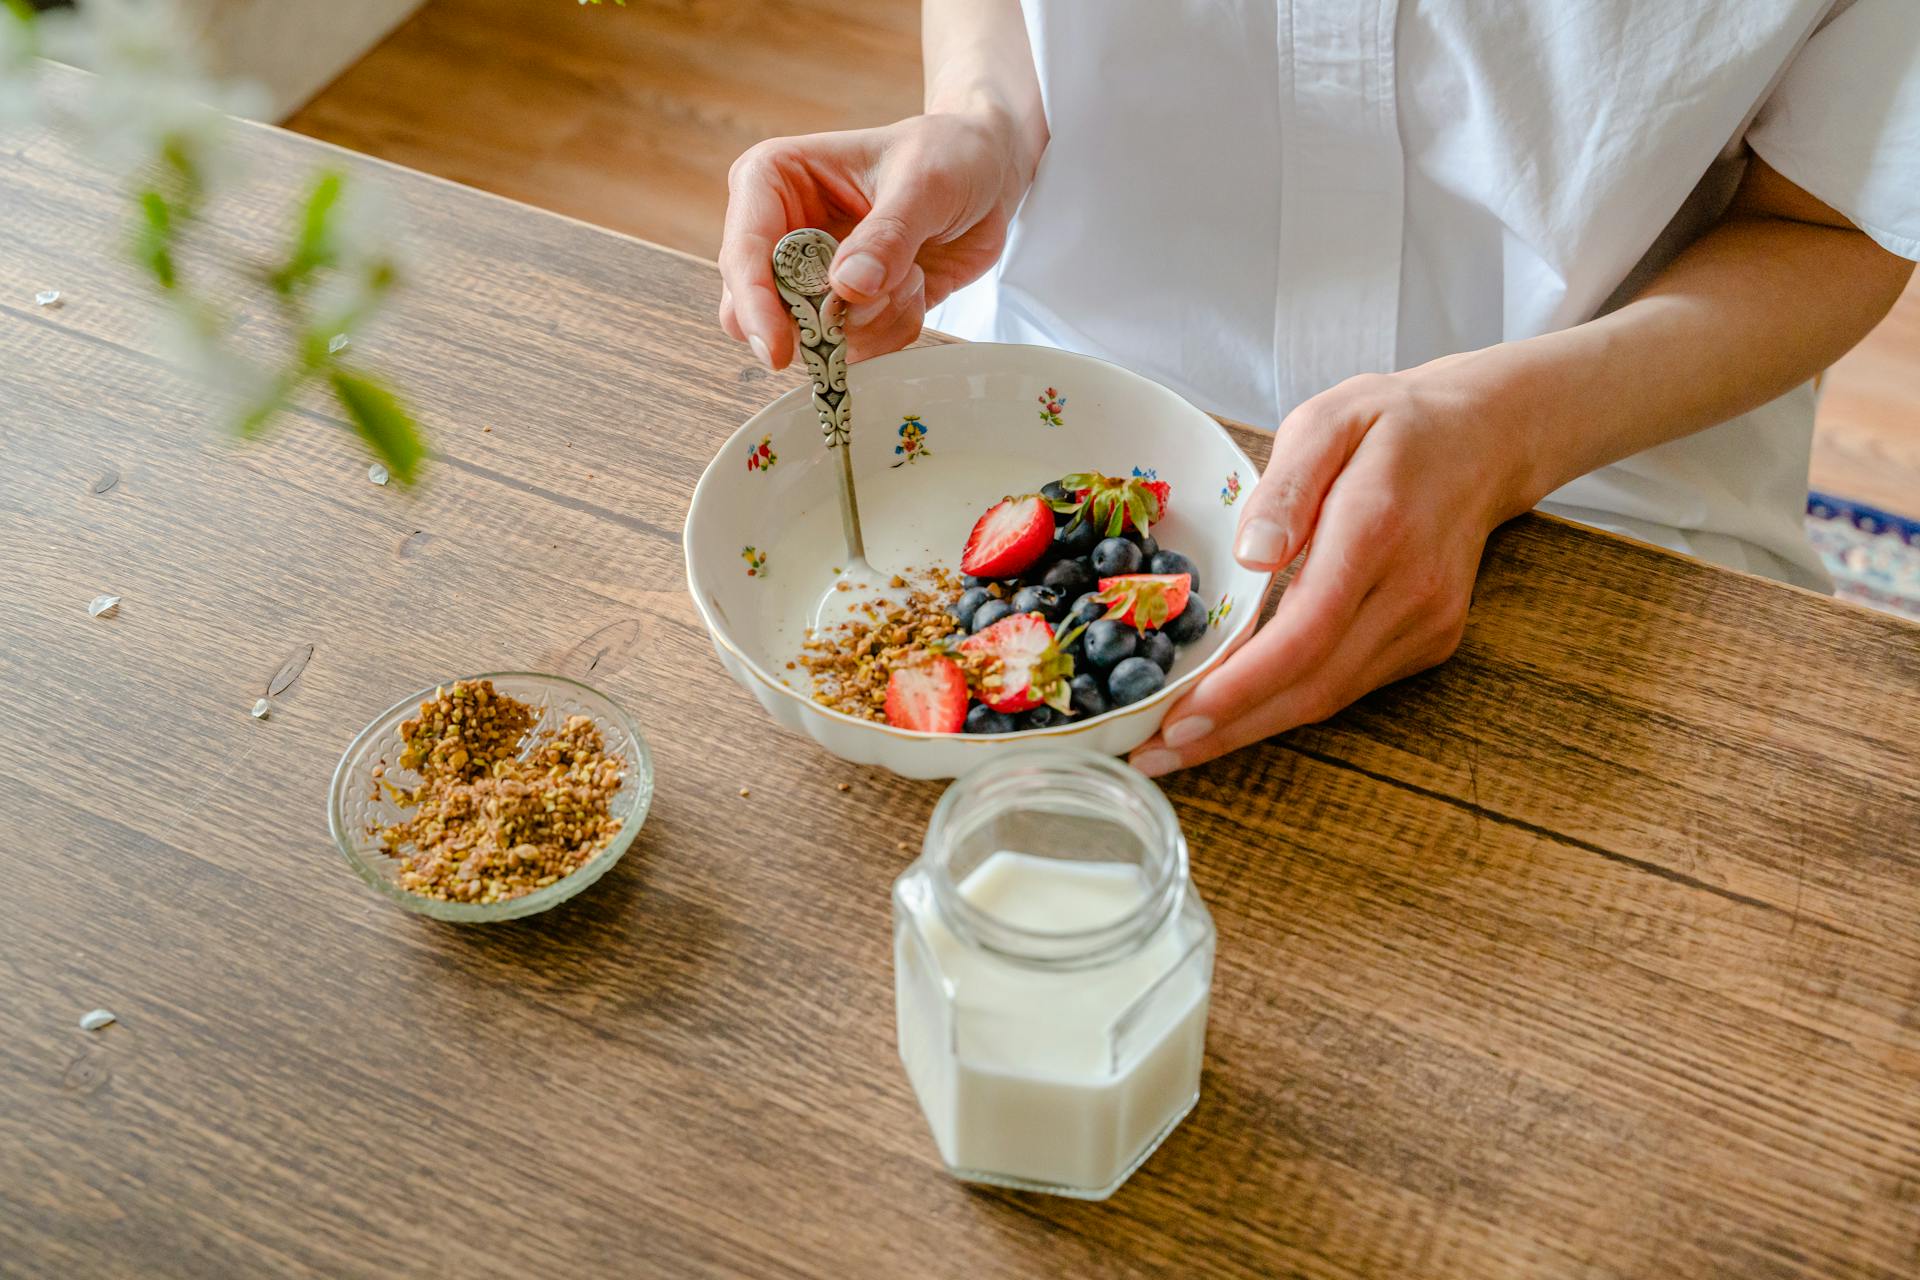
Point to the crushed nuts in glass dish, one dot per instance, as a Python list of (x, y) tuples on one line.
[(491, 797)]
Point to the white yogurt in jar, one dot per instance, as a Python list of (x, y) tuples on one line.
[(1061, 1078)]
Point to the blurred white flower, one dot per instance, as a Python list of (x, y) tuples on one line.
[(151, 115), (150, 90), (200, 347)]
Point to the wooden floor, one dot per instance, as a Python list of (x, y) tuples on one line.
[(1867, 444), (624, 117), (628, 117)]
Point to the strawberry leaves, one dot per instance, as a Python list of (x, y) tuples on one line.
[(1145, 600), (1112, 503), (1052, 679)]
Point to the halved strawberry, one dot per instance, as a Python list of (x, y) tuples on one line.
[(1146, 600), (1115, 503), (1013, 534), (1021, 664), (930, 696)]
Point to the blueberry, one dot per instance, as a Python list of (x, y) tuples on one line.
[(1174, 562), (1045, 601), (1149, 548), (988, 614), (970, 599), (1190, 625), (1040, 717), (1116, 556), (1053, 491), (1070, 578), (1089, 699), (1086, 609), (970, 580), (1157, 647), (1134, 679), (1075, 539), (1108, 642), (982, 718)]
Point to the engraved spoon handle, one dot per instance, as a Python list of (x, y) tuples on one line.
[(800, 264)]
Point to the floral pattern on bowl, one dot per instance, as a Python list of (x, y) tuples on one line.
[(1052, 405), (913, 441), (762, 457)]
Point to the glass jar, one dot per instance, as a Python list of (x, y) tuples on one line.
[(1052, 964)]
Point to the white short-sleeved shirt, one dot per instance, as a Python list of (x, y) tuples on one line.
[(1251, 201)]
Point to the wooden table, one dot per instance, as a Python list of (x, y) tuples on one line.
[(1594, 953)]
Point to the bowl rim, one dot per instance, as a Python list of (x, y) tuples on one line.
[(526, 904), (717, 626)]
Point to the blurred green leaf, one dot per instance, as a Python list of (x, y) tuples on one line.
[(381, 422), (252, 424), (313, 246), (176, 159), (153, 243)]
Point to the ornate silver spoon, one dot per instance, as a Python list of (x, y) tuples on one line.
[(801, 261), (800, 264)]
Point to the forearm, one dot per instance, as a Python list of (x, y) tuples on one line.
[(1767, 299), (977, 61)]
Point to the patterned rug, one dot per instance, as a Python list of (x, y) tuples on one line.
[(1873, 555)]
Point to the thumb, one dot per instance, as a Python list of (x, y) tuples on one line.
[(877, 256), (1310, 450)]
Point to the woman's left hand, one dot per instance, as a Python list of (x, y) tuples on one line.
[(1392, 483)]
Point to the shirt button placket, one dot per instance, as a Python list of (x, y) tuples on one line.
[(1342, 200)]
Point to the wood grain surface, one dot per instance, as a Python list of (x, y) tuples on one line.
[(1594, 953)]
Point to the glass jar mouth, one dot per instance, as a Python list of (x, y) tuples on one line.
[(1041, 777)]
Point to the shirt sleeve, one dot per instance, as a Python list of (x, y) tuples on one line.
[(1844, 121)]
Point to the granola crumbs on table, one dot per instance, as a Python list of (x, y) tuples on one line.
[(850, 661), (487, 822)]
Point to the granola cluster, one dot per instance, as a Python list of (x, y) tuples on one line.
[(851, 661), (494, 816)]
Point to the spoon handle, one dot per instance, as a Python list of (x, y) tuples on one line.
[(800, 264)]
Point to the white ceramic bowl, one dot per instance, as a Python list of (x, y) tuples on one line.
[(940, 434)]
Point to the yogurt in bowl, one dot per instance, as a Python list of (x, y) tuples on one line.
[(941, 434)]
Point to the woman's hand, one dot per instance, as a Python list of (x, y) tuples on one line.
[(1391, 483), (920, 208)]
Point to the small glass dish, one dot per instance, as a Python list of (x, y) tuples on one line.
[(352, 809)]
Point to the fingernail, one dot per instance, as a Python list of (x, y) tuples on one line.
[(1261, 543), (865, 313), (862, 273), (1181, 732), (1156, 762), (760, 351)]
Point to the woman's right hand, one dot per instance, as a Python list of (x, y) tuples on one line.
[(920, 208)]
